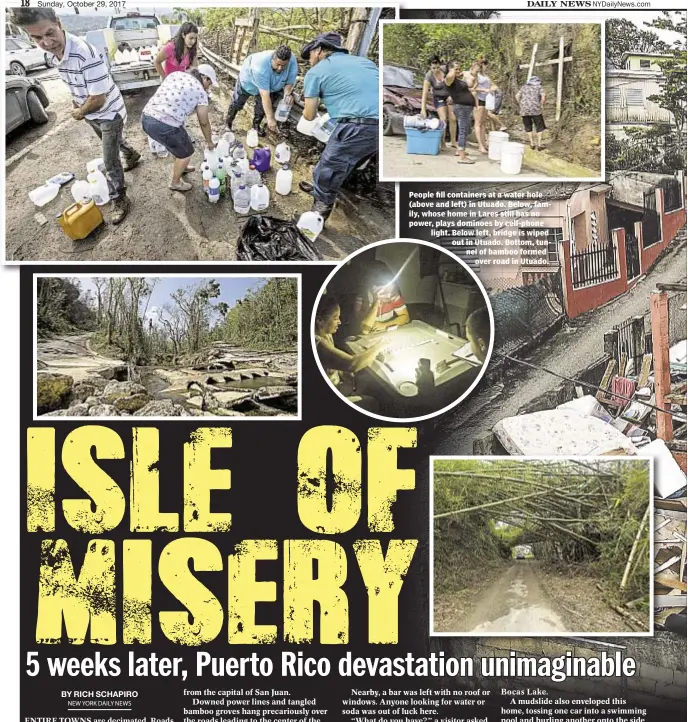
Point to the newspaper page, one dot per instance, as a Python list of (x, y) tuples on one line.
[(345, 360)]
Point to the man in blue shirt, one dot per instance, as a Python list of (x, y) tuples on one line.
[(267, 76), (348, 86)]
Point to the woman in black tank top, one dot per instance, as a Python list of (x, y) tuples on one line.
[(434, 80)]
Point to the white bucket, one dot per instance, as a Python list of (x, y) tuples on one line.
[(512, 156), (496, 139)]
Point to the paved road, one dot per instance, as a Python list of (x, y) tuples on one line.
[(572, 349), (514, 604)]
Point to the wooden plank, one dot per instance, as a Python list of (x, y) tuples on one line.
[(532, 61), (606, 380), (623, 362), (670, 600), (644, 376), (546, 62), (560, 83)]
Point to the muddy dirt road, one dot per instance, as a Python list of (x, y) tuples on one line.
[(513, 604), (527, 598), (162, 225)]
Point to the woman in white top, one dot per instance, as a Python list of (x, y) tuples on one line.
[(337, 364), (163, 117)]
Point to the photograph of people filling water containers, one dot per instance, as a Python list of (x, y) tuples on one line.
[(190, 134), (402, 330), (491, 101)]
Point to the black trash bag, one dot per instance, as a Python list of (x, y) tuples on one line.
[(270, 239)]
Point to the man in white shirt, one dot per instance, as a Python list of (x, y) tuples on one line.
[(95, 97)]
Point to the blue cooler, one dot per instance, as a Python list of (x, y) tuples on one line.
[(423, 142)]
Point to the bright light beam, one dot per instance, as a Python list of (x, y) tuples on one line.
[(401, 270)]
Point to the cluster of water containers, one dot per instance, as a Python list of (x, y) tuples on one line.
[(127, 56), (95, 186), (227, 170)]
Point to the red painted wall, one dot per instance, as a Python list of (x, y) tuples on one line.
[(671, 224), (581, 300)]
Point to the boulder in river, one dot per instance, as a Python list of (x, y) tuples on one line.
[(162, 407), (82, 391), (103, 410), (115, 372), (53, 391), (126, 395), (131, 403)]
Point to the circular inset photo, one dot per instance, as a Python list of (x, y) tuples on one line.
[(402, 330)]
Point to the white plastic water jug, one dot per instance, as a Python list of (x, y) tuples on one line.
[(242, 200), (222, 147), (98, 188), (490, 101), (229, 137), (126, 55), (243, 164), (252, 139), (282, 153), (512, 157), (260, 197), (284, 180), (119, 57), (310, 224), (211, 159), (214, 190), (239, 152), (322, 129), (207, 177), (237, 179), (496, 140), (44, 194), (305, 126), (81, 191), (253, 176), (282, 112), (95, 164), (157, 149), (134, 56)]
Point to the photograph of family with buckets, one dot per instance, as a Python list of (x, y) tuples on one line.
[(491, 101)]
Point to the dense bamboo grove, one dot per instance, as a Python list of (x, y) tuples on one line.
[(579, 512)]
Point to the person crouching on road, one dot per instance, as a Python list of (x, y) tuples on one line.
[(348, 86), (95, 97), (268, 76), (164, 115)]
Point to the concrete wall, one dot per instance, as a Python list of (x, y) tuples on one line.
[(659, 682)]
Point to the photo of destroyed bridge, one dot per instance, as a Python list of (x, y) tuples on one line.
[(191, 103), (541, 546)]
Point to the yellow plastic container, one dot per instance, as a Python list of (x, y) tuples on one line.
[(80, 219)]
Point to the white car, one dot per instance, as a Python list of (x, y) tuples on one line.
[(21, 56)]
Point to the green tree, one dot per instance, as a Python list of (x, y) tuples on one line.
[(623, 36)]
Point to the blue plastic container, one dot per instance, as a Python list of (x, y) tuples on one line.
[(423, 142)]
